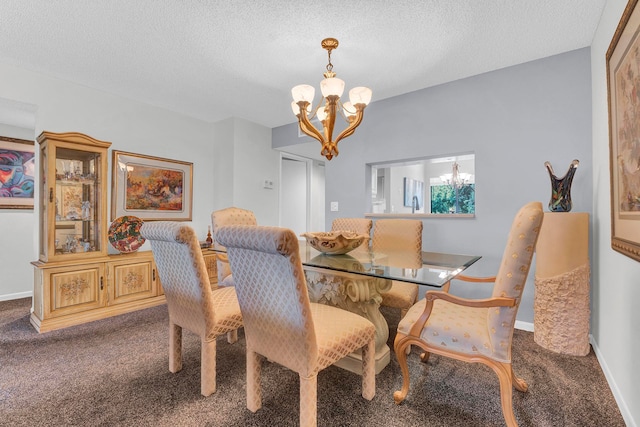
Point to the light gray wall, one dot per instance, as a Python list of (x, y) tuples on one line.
[(615, 279), (17, 231), (243, 160), (230, 159), (130, 126), (513, 119)]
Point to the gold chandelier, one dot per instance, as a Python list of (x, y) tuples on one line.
[(332, 89)]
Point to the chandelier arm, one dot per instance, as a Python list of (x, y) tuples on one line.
[(330, 121), (305, 125), (355, 122), (311, 131)]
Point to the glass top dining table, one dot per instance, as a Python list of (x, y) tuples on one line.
[(423, 268)]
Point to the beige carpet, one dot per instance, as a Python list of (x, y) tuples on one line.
[(114, 372)]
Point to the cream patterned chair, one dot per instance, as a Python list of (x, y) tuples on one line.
[(357, 225), (476, 331), (403, 235), (281, 324), (221, 218), (191, 302)]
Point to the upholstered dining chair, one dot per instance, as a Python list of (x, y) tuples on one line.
[(357, 225), (191, 302), (400, 235), (221, 218), (481, 330), (281, 324)]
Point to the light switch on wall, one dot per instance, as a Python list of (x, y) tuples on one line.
[(334, 206)]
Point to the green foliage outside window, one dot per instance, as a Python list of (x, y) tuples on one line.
[(443, 199)]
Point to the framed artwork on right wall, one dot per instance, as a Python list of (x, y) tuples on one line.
[(623, 85)]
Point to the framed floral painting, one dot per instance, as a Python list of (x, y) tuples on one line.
[(151, 188), (17, 173), (623, 86)]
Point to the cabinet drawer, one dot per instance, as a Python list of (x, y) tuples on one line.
[(76, 290), (212, 267), (129, 281)]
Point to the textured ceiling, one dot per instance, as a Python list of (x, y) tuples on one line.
[(216, 59)]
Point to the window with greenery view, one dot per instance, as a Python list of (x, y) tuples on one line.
[(451, 199)]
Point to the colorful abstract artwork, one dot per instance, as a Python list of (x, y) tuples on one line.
[(17, 173)]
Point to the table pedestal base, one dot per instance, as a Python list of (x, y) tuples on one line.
[(357, 294), (353, 362)]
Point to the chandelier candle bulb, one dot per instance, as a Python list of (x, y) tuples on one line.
[(332, 89)]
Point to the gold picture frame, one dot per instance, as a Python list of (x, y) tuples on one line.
[(623, 87), (151, 188), (17, 173)]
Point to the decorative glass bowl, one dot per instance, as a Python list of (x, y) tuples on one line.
[(335, 242)]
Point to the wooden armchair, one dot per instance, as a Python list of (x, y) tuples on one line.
[(476, 331)]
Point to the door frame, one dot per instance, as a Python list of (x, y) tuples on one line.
[(308, 167)]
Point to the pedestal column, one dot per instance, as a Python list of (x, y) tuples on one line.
[(358, 294), (561, 302)]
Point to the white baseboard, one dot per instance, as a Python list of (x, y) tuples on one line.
[(624, 409), (525, 326), (19, 295)]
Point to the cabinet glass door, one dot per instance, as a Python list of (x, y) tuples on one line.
[(77, 198)]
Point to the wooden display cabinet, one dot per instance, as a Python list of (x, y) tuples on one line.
[(73, 195), (76, 280), (68, 293)]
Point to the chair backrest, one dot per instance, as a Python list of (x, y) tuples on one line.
[(272, 293), (183, 274), (512, 275), (397, 234), (224, 217), (357, 225)]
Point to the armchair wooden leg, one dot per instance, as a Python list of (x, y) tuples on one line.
[(369, 370), (505, 373), (424, 357), (519, 383), (403, 312), (208, 367), (309, 401), (175, 347), (400, 347), (254, 391)]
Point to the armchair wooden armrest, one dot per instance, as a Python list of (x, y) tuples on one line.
[(431, 296), (464, 278)]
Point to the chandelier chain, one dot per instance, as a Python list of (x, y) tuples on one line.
[(329, 65)]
